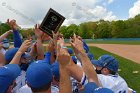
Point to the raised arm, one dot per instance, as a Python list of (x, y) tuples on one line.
[(5, 35), (86, 64), (49, 55), (39, 46), (16, 36), (20, 51), (33, 51), (64, 59), (17, 39)]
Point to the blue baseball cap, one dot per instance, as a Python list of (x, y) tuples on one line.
[(107, 61), (8, 74), (70, 51), (55, 70), (96, 63), (9, 55), (39, 74), (5, 40), (91, 87)]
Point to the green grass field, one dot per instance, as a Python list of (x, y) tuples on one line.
[(131, 42), (127, 67)]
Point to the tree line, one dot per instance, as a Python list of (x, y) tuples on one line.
[(104, 29), (100, 29)]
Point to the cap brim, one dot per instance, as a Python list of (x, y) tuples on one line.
[(96, 63), (90, 87)]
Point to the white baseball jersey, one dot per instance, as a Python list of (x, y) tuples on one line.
[(113, 82), (26, 89), (74, 84), (3, 51), (79, 63), (20, 81)]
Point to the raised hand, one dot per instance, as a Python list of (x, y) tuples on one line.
[(10, 31), (76, 44), (50, 46), (45, 37), (37, 31), (61, 42), (25, 45), (63, 56), (55, 37), (12, 24)]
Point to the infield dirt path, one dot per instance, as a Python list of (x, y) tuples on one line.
[(131, 52)]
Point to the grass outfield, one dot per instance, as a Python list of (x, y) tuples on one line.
[(127, 67), (128, 42)]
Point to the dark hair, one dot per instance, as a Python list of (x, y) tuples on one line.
[(12, 84), (57, 79), (41, 89)]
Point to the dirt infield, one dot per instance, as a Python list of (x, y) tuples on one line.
[(131, 52)]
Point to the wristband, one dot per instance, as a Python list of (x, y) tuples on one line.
[(63, 47)]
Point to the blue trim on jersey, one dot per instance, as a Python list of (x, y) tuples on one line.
[(134, 91), (84, 80), (17, 39), (113, 75)]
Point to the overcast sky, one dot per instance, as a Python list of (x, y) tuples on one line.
[(29, 12)]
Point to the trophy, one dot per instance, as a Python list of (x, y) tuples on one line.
[(52, 22)]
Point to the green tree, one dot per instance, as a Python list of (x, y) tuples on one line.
[(69, 31), (117, 28), (86, 30), (4, 28), (103, 30), (27, 33)]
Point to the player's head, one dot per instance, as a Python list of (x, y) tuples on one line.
[(106, 64), (5, 43), (91, 87), (9, 55), (39, 76), (8, 74)]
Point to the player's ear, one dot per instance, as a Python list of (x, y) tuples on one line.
[(10, 88)]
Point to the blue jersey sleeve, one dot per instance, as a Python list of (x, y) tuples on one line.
[(17, 39), (47, 57), (85, 46)]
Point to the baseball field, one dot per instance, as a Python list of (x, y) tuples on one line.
[(128, 55), (128, 69)]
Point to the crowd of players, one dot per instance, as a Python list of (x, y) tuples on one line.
[(27, 68)]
